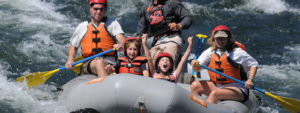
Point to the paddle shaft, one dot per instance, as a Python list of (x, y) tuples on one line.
[(197, 51), (88, 58), (196, 56), (238, 81)]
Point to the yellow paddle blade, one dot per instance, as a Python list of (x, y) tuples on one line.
[(77, 68), (37, 78), (201, 36), (288, 103)]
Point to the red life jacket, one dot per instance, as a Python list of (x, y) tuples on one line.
[(133, 67), (96, 40), (156, 14), (227, 66)]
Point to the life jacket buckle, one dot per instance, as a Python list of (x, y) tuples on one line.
[(96, 40), (220, 70), (221, 79), (129, 65), (218, 62), (96, 32), (97, 50)]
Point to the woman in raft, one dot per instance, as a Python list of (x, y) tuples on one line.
[(227, 57)]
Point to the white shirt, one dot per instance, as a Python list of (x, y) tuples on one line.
[(237, 55), (112, 25)]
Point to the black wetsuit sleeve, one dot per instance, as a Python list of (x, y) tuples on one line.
[(143, 22), (182, 14)]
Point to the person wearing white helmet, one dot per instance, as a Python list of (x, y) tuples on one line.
[(96, 35)]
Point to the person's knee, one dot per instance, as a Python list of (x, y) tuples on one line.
[(196, 87), (213, 94), (195, 84), (99, 62)]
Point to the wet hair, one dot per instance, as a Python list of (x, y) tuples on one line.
[(230, 44)]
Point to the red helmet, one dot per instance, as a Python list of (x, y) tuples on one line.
[(98, 2), (219, 28), (164, 55), (132, 38), (161, 55)]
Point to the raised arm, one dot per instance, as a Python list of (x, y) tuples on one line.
[(148, 55), (184, 57)]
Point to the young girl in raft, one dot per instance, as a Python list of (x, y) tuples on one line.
[(132, 62), (164, 64)]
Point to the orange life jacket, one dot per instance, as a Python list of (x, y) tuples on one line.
[(227, 66), (171, 78), (133, 67), (240, 45), (96, 40)]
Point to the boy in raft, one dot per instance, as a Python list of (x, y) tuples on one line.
[(164, 65), (225, 56), (132, 62)]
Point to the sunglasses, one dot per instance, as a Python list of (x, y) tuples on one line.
[(96, 9)]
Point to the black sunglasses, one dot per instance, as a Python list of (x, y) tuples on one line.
[(101, 9)]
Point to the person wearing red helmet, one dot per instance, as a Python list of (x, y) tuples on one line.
[(132, 62), (96, 35), (163, 21), (228, 58), (164, 65)]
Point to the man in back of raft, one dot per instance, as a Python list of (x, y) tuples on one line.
[(95, 36), (163, 20)]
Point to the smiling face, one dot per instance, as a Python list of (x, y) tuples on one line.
[(98, 11), (164, 64), (221, 42), (221, 39), (132, 51)]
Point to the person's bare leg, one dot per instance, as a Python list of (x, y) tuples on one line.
[(97, 66), (228, 93), (202, 87)]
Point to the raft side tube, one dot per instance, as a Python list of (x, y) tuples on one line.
[(129, 93)]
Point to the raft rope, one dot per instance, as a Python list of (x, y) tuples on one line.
[(142, 105)]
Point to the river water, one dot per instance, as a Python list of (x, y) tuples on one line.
[(35, 34)]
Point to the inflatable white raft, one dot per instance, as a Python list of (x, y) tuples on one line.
[(127, 93)]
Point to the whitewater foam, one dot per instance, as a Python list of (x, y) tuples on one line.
[(42, 48), (38, 100), (268, 6)]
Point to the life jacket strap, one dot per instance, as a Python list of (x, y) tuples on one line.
[(220, 70), (221, 79), (96, 40), (95, 31), (97, 50), (218, 62), (129, 65)]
